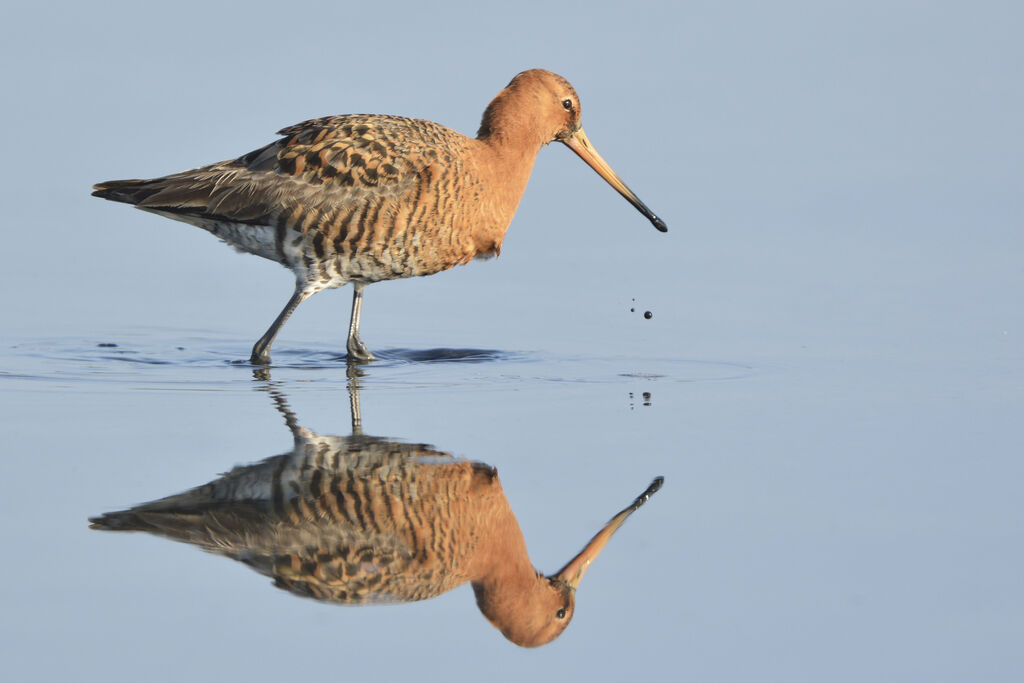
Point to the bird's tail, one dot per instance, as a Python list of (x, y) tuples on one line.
[(158, 515), (128, 191), (125, 520)]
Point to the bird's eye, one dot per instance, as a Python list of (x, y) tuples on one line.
[(561, 613), (567, 105)]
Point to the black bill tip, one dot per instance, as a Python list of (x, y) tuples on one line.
[(649, 215)]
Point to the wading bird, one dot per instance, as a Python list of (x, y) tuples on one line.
[(363, 198)]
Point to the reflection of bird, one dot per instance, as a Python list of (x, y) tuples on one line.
[(365, 198), (365, 519)]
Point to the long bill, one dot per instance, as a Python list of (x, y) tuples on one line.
[(573, 572), (579, 143)]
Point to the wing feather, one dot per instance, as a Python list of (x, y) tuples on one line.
[(332, 165)]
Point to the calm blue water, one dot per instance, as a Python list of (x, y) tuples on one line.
[(853, 502), (831, 383)]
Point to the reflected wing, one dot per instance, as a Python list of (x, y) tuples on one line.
[(349, 520)]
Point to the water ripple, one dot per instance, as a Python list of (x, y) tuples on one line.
[(147, 361)]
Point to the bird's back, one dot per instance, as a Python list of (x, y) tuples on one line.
[(355, 197)]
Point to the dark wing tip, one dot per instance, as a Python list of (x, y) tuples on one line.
[(118, 521), (119, 190), (98, 523)]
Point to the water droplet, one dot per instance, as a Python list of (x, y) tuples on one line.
[(648, 315)]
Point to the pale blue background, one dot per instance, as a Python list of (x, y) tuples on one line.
[(836, 357)]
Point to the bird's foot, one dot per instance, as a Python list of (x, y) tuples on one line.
[(260, 354), (357, 351), (262, 358)]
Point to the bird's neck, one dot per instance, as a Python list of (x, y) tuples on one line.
[(501, 573), (508, 155), (501, 549), (507, 145)]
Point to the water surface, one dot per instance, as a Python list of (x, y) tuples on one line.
[(838, 498)]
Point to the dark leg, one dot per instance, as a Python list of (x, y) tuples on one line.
[(261, 351), (353, 404), (356, 348)]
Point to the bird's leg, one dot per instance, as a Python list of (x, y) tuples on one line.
[(261, 350), (353, 404), (356, 348)]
